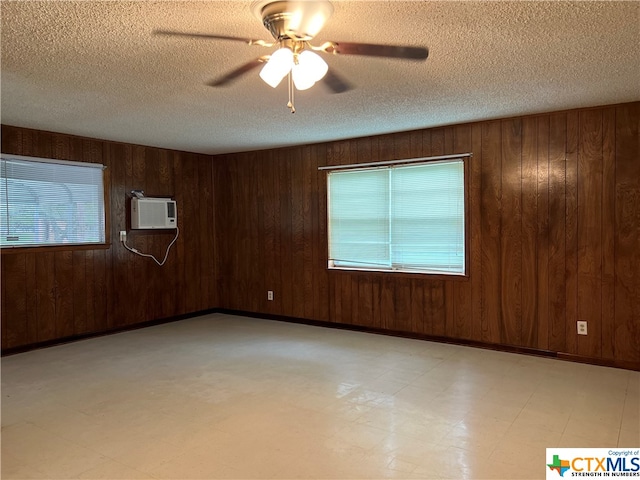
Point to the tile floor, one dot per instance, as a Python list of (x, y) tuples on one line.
[(220, 396)]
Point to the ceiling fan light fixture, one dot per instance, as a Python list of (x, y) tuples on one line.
[(315, 20), (313, 63), (295, 19), (278, 66), (302, 78), (308, 68)]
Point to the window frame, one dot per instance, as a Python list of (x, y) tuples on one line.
[(465, 158), (106, 183)]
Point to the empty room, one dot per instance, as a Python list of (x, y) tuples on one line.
[(320, 239)]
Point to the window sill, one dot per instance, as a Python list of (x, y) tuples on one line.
[(402, 273), (54, 248)]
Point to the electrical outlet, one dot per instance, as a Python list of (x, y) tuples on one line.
[(582, 327), (270, 295), (123, 235)]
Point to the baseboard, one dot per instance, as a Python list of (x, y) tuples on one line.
[(603, 362), (626, 365), (75, 338)]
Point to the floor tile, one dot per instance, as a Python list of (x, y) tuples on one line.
[(221, 396)]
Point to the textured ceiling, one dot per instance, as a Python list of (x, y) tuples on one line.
[(94, 69)]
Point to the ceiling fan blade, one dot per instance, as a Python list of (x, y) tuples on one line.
[(234, 74), (208, 36), (335, 82), (373, 50)]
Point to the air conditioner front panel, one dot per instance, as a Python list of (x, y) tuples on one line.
[(153, 213)]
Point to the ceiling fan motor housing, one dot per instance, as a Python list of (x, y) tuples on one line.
[(297, 20)]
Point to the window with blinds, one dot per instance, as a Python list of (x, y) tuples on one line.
[(50, 202), (407, 218)]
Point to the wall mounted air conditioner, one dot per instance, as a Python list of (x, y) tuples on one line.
[(150, 213)]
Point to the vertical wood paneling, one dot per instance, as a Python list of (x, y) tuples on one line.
[(64, 293), (6, 331), (259, 298), (14, 300), (627, 227), (542, 239), (120, 256), (557, 228), (436, 308), (402, 305), (323, 234), (190, 229), (296, 189), (417, 306), (608, 232), (529, 232), (343, 288), (355, 298), (180, 280), (307, 175), (571, 232), (102, 300), (511, 235), (88, 324), (42, 145), (207, 239), (319, 259), (589, 273), (491, 197), (286, 234), (80, 291), (365, 301), (376, 302), (271, 214), (475, 221), (386, 148), (45, 297), (387, 306), (402, 145), (31, 319)]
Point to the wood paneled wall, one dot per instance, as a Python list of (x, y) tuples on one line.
[(554, 235), (50, 295)]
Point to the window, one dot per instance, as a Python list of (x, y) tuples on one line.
[(50, 202), (407, 217)]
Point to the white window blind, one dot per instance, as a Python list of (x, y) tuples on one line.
[(50, 202), (403, 217)]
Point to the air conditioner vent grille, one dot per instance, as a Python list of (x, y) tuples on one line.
[(150, 213)]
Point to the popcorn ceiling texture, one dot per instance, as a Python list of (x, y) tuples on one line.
[(94, 69)]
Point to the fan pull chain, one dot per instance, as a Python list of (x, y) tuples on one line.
[(291, 94)]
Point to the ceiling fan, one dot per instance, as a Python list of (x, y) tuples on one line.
[(293, 24)]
